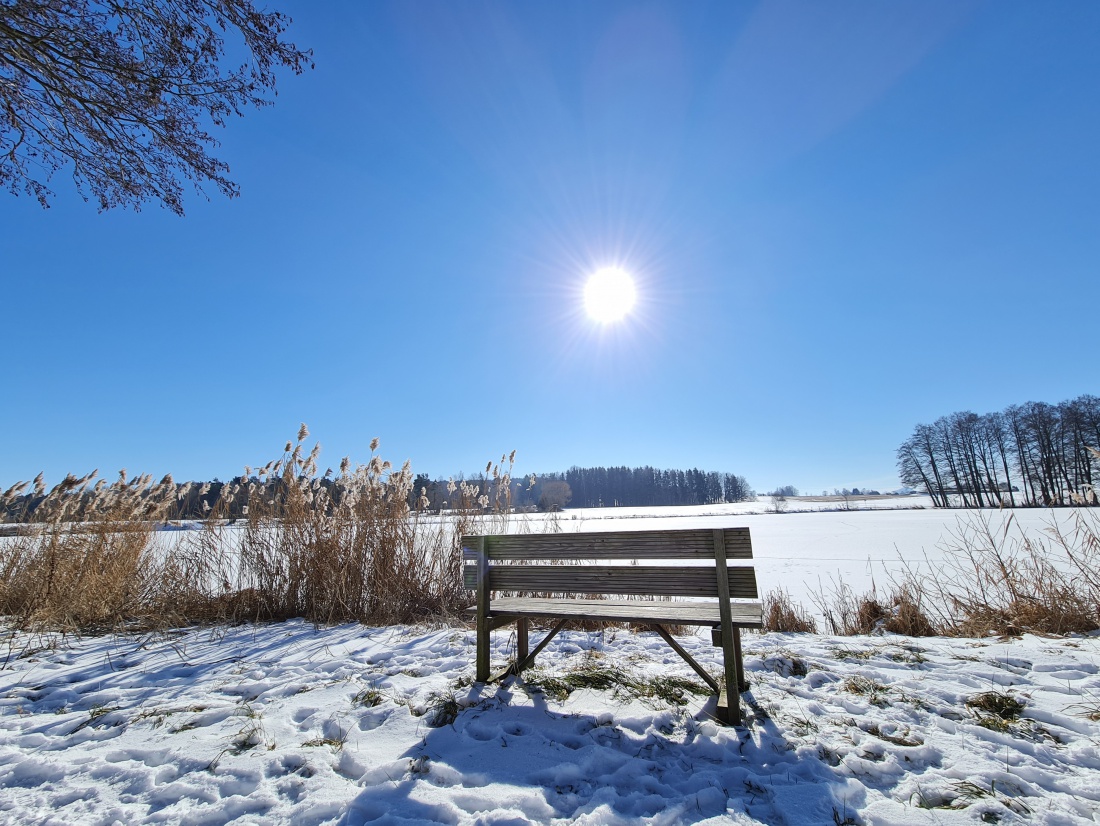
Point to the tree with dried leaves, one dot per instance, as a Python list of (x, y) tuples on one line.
[(125, 91)]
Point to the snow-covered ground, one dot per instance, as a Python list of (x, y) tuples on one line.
[(291, 724)]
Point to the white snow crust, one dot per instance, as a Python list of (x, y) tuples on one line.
[(260, 725)]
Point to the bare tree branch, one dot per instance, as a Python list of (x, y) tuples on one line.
[(125, 91)]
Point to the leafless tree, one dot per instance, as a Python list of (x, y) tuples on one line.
[(125, 91), (555, 496), (977, 460)]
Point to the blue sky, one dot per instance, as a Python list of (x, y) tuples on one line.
[(843, 219)]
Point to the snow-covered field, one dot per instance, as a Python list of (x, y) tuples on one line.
[(812, 544), (291, 724)]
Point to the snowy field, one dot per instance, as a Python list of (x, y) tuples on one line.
[(290, 724), (813, 544)]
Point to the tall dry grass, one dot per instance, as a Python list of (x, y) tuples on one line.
[(83, 557), (327, 547), (781, 613), (998, 577), (898, 610), (993, 575)]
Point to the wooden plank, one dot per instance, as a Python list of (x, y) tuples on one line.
[(709, 680), (482, 586), (649, 580), (529, 660), (730, 716), (690, 543), (729, 656), (743, 614), (522, 638)]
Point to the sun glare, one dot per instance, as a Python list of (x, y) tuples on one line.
[(609, 295)]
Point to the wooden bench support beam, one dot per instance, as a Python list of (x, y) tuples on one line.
[(731, 712), (725, 713), (482, 670), (499, 622), (742, 682), (521, 639), (526, 662), (667, 637)]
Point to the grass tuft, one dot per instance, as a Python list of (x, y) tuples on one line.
[(443, 709), (336, 744), (874, 691), (998, 704), (369, 697), (782, 614), (627, 685)]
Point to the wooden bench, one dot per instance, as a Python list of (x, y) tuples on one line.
[(695, 566)]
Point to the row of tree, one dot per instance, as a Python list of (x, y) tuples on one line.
[(581, 487), (1032, 454), (596, 487)]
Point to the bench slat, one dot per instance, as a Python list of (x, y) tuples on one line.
[(653, 580), (690, 543), (745, 614)]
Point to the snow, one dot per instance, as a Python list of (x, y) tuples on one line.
[(812, 544), (291, 724)]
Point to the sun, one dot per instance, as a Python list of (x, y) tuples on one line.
[(609, 295)]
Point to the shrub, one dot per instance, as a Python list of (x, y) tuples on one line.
[(780, 613), (847, 613), (998, 577)]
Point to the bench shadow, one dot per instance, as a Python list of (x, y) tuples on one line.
[(511, 757)]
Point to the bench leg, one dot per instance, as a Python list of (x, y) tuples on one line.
[(527, 661), (521, 640), (483, 627), (729, 711), (742, 683), (482, 650), (729, 701)]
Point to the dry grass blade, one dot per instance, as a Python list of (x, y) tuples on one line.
[(996, 577), (781, 613), (327, 549)]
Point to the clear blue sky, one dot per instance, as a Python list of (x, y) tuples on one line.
[(843, 218)]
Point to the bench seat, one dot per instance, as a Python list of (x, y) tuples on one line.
[(744, 614)]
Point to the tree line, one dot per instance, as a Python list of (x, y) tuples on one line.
[(593, 487), (596, 487), (600, 487), (1029, 455)]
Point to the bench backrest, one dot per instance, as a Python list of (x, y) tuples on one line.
[(690, 580)]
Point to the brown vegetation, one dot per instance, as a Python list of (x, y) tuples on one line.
[(996, 577), (781, 613), (327, 549), (350, 547), (993, 577)]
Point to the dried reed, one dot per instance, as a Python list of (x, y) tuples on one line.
[(327, 549), (997, 577)]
